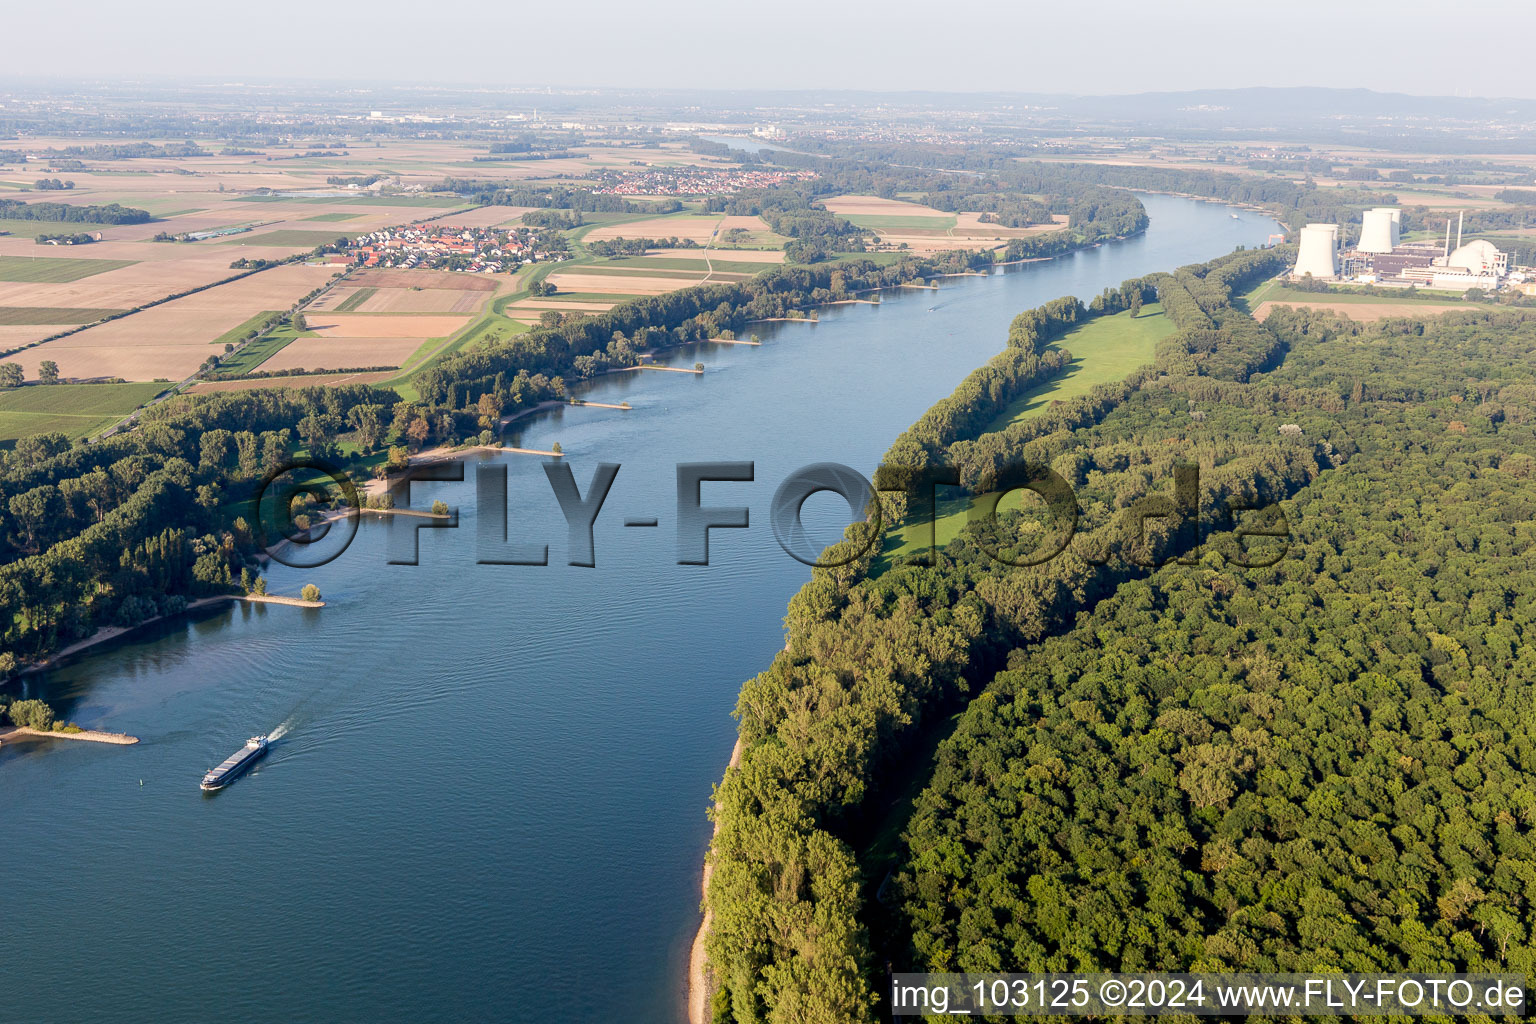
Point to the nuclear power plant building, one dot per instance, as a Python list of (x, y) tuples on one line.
[(1381, 257)]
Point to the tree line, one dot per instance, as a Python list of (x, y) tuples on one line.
[(111, 213)]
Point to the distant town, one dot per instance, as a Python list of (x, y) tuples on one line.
[(694, 181), (448, 247)]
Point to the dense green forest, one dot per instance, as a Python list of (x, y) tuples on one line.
[(135, 525), (1260, 743), (1322, 765), (111, 213)]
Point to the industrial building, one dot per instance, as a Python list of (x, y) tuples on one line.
[(1382, 258)]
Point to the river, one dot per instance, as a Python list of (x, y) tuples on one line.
[(487, 801)]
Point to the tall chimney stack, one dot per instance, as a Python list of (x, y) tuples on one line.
[(1447, 238), (1459, 218)]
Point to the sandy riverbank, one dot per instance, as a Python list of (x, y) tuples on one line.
[(107, 634), (699, 989), (11, 733), (378, 485)]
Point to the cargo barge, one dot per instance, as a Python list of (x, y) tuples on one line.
[(236, 764)]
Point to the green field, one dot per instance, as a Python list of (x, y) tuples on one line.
[(33, 228), (250, 358), (877, 222), (78, 410), (653, 263), (286, 239), (682, 270), (1104, 350), (1278, 291), (421, 201), (11, 316), (591, 297), (234, 334), (56, 270), (354, 300), (334, 216)]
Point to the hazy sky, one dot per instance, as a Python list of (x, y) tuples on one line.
[(1112, 46)]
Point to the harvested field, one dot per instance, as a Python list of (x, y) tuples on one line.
[(360, 199), (358, 325), (1368, 311), (873, 206), (349, 300), (284, 239), (767, 257), (134, 284), (970, 224), (629, 284), (488, 217), (172, 340), (428, 300), (337, 353), (377, 278), (16, 337), (54, 270), (539, 305), (699, 229)]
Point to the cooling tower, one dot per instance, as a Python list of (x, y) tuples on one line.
[(1318, 254), (1379, 230)]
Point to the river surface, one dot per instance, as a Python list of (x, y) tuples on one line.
[(487, 799)]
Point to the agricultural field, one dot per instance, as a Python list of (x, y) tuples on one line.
[(377, 317), (690, 226), (350, 300), (411, 202), (27, 230), (492, 216), (79, 410), (1379, 309), (146, 272), (54, 270), (249, 357), (278, 204), (49, 315), (760, 259), (861, 208), (340, 353), (170, 341), (405, 300), (234, 334), (579, 280), (285, 239), (922, 229), (1261, 301)]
